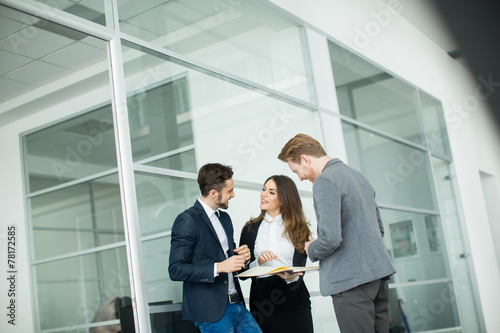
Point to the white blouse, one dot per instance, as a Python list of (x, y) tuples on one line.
[(270, 238)]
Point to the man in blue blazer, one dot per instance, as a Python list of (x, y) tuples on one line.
[(354, 263), (203, 255)]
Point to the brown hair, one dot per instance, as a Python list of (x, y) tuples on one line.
[(213, 176), (298, 145), (296, 226)]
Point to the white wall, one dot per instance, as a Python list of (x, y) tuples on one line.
[(382, 36)]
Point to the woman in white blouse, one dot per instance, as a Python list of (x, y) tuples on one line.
[(279, 303)]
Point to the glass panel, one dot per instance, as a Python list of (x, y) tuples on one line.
[(399, 174), (245, 38), (423, 308), (456, 248), (92, 10), (77, 218), (161, 122), (435, 125), (160, 288), (226, 123), (70, 150), (39, 54), (161, 199), (185, 161), (415, 244), (81, 290), (374, 97)]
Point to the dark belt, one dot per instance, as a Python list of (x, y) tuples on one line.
[(234, 298)]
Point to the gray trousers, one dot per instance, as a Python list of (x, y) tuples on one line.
[(363, 309)]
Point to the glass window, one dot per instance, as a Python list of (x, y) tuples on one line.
[(160, 199), (216, 120), (92, 10), (81, 290), (244, 38), (374, 97), (435, 125), (70, 150), (39, 54), (160, 288), (426, 308), (161, 125), (399, 173), (416, 245), (458, 253), (77, 218)]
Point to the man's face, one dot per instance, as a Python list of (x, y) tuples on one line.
[(225, 195), (303, 171)]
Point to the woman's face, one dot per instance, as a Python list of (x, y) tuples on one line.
[(269, 199)]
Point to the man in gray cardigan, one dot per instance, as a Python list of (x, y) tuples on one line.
[(354, 263)]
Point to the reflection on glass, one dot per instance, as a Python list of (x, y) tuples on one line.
[(73, 149), (160, 120), (372, 96), (406, 239), (160, 288), (400, 174), (455, 245), (88, 9), (220, 121), (435, 125), (245, 38), (431, 226), (185, 161), (423, 308), (77, 218), (74, 291), (161, 199), (38, 54), (403, 239)]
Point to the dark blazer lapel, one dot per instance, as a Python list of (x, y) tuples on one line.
[(206, 219)]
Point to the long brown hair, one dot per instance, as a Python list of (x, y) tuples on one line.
[(296, 225)]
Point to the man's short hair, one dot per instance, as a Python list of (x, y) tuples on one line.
[(298, 145), (213, 176)]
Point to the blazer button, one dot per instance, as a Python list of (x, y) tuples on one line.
[(225, 282)]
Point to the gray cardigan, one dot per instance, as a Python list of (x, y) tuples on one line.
[(349, 241)]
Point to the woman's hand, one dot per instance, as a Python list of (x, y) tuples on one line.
[(266, 256), (287, 276)]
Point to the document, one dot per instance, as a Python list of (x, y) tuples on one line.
[(265, 270)]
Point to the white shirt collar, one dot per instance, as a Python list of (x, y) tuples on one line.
[(278, 219), (207, 208)]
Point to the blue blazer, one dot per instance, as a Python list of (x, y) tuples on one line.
[(194, 249)]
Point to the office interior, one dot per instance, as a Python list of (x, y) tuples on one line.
[(109, 107)]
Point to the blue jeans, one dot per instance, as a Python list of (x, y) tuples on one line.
[(236, 318)]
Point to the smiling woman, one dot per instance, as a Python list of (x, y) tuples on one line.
[(276, 238)]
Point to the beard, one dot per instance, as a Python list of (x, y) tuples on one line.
[(220, 204)]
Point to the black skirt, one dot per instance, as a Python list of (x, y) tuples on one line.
[(281, 307)]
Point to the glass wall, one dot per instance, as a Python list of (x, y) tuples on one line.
[(228, 82), (244, 38), (396, 136)]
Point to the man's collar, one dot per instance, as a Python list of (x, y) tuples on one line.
[(207, 208)]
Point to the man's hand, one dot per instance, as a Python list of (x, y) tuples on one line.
[(243, 251), (266, 256), (231, 264), (306, 245)]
